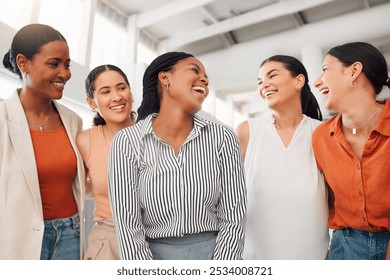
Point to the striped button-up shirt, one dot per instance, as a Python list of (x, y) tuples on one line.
[(155, 193)]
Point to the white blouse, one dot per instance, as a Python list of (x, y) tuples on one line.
[(287, 199)]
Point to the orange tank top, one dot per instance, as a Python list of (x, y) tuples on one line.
[(56, 165)]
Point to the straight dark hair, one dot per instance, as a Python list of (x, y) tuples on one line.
[(373, 61), (309, 102)]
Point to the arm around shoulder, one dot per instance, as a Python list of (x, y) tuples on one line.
[(83, 141)]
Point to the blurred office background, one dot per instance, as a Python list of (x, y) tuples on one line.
[(230, 37)]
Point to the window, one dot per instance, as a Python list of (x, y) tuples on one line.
[(144, 54), (109, 43), (68, 18), (16, 13)]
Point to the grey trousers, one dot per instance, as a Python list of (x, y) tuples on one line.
[(189, 247)]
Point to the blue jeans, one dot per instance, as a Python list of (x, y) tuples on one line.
[(61, 239), (353, 244)]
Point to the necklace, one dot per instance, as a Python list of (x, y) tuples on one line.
[(40, 126), (354, 129)]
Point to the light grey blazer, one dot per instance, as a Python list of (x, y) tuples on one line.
[(21, 215)]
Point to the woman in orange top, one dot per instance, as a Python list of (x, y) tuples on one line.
[(109, 95), (41, 174), (353, 149)]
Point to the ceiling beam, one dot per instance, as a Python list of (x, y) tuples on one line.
[(246, 56), (168, 10), (227, 37), (299, 19), (260, 15)]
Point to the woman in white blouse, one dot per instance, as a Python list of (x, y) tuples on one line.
[(176, 181), (287, 198)]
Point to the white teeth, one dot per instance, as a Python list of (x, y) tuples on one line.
[(265, 94), (199, 89), (118, 107), (324, 91), (60, 85)]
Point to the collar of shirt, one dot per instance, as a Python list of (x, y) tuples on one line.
[(271, 119), (383, 126), (147, 127)]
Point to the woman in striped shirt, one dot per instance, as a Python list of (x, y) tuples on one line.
[(176, 181)]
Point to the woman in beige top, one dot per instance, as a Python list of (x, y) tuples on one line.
[(109, 95)]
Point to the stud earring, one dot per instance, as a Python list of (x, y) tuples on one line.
[(298, 88), (94, 110)]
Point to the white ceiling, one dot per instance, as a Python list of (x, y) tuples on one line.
[(207, 28)]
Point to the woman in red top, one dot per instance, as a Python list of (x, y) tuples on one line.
[(353, 149)]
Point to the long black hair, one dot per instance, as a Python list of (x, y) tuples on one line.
[(373, 61), (309, 102), (151, 96)]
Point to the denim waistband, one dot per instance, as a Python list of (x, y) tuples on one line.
[(63, 222), (351, 231)]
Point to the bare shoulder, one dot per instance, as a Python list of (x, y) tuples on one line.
[(242, 132)]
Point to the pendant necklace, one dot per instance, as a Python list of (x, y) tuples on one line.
[(354, 129), (40, 126)]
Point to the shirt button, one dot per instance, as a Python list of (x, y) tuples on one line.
[(360, 193)]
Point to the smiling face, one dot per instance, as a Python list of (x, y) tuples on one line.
[(188, 84), (48, 70), (334, 82), (276, 85), (112, 97)]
